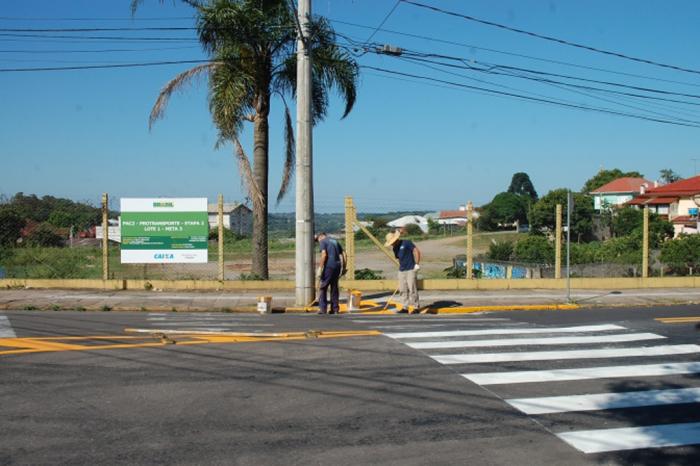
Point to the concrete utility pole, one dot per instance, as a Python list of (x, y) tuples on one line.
[(304, 253), (557, 244), (569, 212)]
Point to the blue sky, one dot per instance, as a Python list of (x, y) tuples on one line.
[(406, 145)]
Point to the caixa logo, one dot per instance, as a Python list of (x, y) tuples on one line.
[(163, 256)]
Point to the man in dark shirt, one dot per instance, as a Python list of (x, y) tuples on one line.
[(332, 266), (409, 257)]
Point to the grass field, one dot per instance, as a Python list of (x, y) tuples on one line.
[(86, 262)]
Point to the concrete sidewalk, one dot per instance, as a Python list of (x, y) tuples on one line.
[(18, 299)]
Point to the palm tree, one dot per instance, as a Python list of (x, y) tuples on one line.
[(251, 46)]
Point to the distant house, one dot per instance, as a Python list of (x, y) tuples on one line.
[(673, 201), (456, 217), (237, 217), (618, 192), (453, 217), (401, 222)]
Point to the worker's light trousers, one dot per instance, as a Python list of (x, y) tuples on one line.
[(408, 287)]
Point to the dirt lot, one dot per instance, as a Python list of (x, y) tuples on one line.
[(437, 255)]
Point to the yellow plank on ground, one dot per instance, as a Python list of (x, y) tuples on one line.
[(677, 320), (54, 344)]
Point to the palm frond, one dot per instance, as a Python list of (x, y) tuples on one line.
[(173, 85), (289, 153), (193, 3), (247, 178), (231, 99)]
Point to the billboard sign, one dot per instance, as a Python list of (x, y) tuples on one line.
[(164, 230)]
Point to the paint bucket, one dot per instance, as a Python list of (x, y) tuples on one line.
[(354, 300), (264, 304)]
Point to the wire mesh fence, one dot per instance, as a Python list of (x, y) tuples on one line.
[(443, 258)]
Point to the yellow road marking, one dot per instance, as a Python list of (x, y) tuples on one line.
[(677, 320), (53, 344)]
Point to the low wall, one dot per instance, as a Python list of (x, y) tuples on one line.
[(364, 285)]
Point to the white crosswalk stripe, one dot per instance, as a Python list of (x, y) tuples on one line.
[(505, 331), (663, 350), (6, 330), (562, 391), (597, 401), (630, 438), (536, 341), (560, 375)]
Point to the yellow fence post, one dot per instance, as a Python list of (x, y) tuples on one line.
[(350, 219), (645, 244), (220, 223), (105, 236), (557, 244), (469, 263)]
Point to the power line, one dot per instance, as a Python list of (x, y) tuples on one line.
[(54, 51), (553, 39), (92, 67), (490, 67), (673, 117), (398, 2), (492, 70), (534, 99), (111, 38), (28, 19), (514, 54), (164, 28)]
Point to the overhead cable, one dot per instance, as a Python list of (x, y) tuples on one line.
[(553, 39)]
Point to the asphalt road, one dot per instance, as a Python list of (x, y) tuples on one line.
[(414, 395)]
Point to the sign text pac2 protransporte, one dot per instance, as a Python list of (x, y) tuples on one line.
[(164, 230)]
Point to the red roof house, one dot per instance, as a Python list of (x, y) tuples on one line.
[(618, 192), (674, 200)]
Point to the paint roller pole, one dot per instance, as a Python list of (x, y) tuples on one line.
[(304, 252)]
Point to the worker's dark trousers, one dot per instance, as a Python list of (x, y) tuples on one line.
[(329, 278)]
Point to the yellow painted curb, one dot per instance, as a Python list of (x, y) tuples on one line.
[(524, 307)]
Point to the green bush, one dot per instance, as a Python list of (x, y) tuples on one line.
[(413, 230), (378, 233), (229, 236), (622, 250), (44, 236), (534, 249), (682, 254), (250, 277), (368, 274), (461, 272), (11, 225), (500, 251)]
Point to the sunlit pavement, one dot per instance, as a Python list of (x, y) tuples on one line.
[(603, 386)]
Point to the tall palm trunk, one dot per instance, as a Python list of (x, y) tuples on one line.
[(261, 136)]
